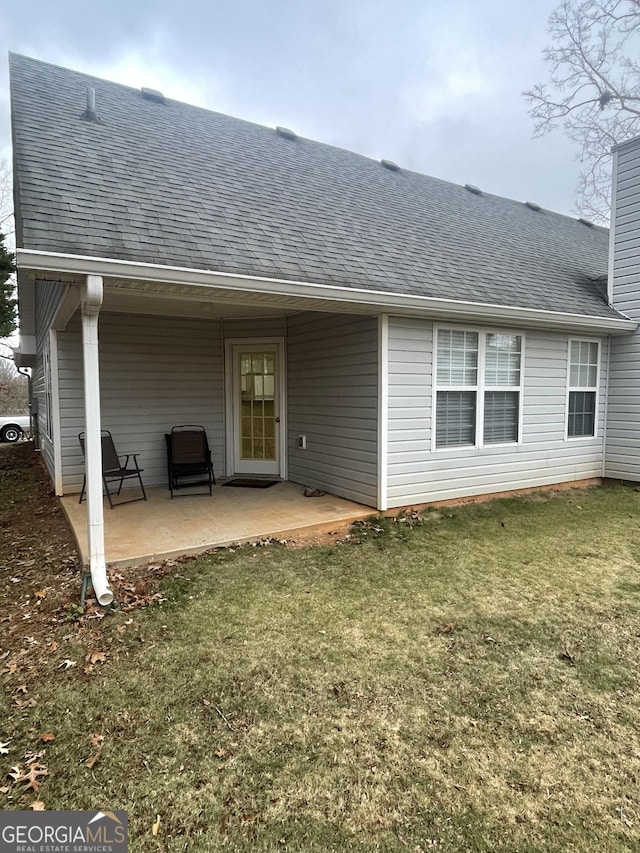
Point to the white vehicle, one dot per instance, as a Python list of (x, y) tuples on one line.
[(13, 427)]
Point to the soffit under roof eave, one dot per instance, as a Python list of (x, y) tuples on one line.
[(210, 284)]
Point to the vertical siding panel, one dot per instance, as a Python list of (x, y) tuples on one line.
[(622, 455), (419, 475), (332, 398), (155, 373)]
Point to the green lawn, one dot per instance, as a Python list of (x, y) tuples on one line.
[(469, 683)]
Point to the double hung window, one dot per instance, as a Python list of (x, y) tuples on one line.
[(478, 388), (583, 389)]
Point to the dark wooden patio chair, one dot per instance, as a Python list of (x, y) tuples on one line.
[(189, 458), (114, 470)]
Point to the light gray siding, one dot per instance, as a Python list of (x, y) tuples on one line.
[(418, 474), (155, 373), (623, 418), (252, 327), (47, 298), (333, 400)]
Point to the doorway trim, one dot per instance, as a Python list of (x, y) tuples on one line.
[(229, 344)]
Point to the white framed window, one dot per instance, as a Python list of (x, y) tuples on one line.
[(582, 388), (478, 388)]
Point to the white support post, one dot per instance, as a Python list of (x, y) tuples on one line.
[(91, 304)]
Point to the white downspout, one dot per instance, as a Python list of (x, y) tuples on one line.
[(91, 303)]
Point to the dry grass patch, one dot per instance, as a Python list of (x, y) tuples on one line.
[(466, 683)]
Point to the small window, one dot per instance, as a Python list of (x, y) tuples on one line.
[(583, 389), (478, 388)]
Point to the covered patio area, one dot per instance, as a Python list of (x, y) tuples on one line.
[(159, 527)]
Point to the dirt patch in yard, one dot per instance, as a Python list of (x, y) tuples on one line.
[(39, 564), (41, 570)]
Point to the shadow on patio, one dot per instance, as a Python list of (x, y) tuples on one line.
[(160, 527)]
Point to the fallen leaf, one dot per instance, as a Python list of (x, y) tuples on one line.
[(93, 758), (31, 776), (47, 736), (4, 747), (14, 773), (37, 806), (447, 629), (97, 740), (121, 629), (155, 829), (40, 593), (5, 789), (52, 646), (9, 669), (26, 703), (66, 664), (96, 657), (568, 657), (21, 688), (222, 752)]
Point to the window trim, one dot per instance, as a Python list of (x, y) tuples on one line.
[(479, 388), (591, 388)]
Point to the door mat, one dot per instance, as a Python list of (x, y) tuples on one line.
[(250, 483)]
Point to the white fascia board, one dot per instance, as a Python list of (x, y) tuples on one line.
[(30, 259)]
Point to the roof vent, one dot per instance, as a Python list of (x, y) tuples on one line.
[(285, 133), (472, 189), (90, 113), (153, 95), (533, 205), (389, 164), (585, 222)]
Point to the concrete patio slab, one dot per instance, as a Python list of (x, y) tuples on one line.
[(159, 527)]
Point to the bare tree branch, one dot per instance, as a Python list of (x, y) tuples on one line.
[(593, 91)]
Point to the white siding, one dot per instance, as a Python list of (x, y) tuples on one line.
[(333, 400), (416, 474), (155, 373), (623, 418), (47, 297)]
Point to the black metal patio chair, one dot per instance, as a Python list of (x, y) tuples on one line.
[(189, 458), (114, 470)]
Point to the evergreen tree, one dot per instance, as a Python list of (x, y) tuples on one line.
[(8, 303)]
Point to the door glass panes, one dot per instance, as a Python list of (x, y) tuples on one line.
[(257, 406)]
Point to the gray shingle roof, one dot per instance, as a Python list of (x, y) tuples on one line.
[(178, 185)]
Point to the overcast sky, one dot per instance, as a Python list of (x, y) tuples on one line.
[(436, 87)]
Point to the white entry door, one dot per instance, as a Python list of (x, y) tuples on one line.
[(256, 426)]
